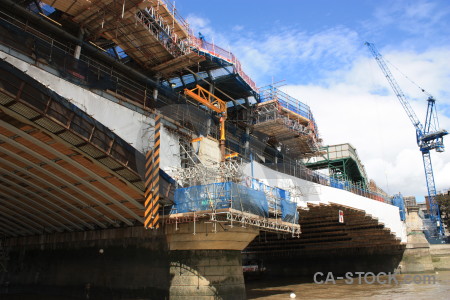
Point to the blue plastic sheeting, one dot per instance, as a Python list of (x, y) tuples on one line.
[(398, 201), (280, 200), (221, 195), (289, 211), (336, 183), (274, 193)]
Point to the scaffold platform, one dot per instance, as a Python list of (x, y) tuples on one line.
[(150, 32), (288, 121)]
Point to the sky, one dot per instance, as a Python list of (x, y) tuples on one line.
[(316, 50)]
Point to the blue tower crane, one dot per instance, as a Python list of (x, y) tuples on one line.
[(428, 136)]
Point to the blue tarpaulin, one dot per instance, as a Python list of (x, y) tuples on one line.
[(289, 211), (236, 196), (398, 201), (221, 195)]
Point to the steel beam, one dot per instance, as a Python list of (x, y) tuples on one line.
[(30, 216), (58, 199), (16, 227), (19, 221), (8, 230), (61, 169), (76, 164), (14, 166), (19, 195)]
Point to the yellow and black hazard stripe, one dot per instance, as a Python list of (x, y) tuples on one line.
[(152, 159)]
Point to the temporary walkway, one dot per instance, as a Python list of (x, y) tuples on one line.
[(154, 35)]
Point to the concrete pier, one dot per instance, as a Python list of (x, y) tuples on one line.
[(417, 257), (206, 261), (206, 274)]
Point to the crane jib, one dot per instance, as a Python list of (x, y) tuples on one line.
[(429, 137)]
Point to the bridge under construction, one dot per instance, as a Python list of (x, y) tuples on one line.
[(140, 161)]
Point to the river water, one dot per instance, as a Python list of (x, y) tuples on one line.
[(281, 289), (426, 289)]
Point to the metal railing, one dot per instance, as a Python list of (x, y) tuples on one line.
[(211, 48), (156, 26), (290, 103)]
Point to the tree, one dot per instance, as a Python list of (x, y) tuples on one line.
[(444, 204)]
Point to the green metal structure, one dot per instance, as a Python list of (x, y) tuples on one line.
[(343, 163)]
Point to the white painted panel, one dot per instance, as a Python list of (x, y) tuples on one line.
[(315, 193)]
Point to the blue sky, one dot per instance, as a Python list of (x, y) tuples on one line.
[(317, 48)]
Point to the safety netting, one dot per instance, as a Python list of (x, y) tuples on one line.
[(278, 200), (289, 211), (261, 200), (221, 195), (398, 201)]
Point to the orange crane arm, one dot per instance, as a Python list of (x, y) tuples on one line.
[(206, 98), (213, 102)]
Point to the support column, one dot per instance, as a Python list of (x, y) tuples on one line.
[(247, 139), (206, 274), (155, 90), (417, 257), (208, 127), (205, 260)]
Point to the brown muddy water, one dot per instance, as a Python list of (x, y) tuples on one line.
[(281, 289), (440, 289)]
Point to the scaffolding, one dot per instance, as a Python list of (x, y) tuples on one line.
[(147, 31), (288, 122), (201, 174), (219, 192), (234, 204)]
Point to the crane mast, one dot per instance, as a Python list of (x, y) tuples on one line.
[(428, 136)]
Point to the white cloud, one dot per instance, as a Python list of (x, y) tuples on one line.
[(278, 54), (347, 109), (203, 26), (418, 18)]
